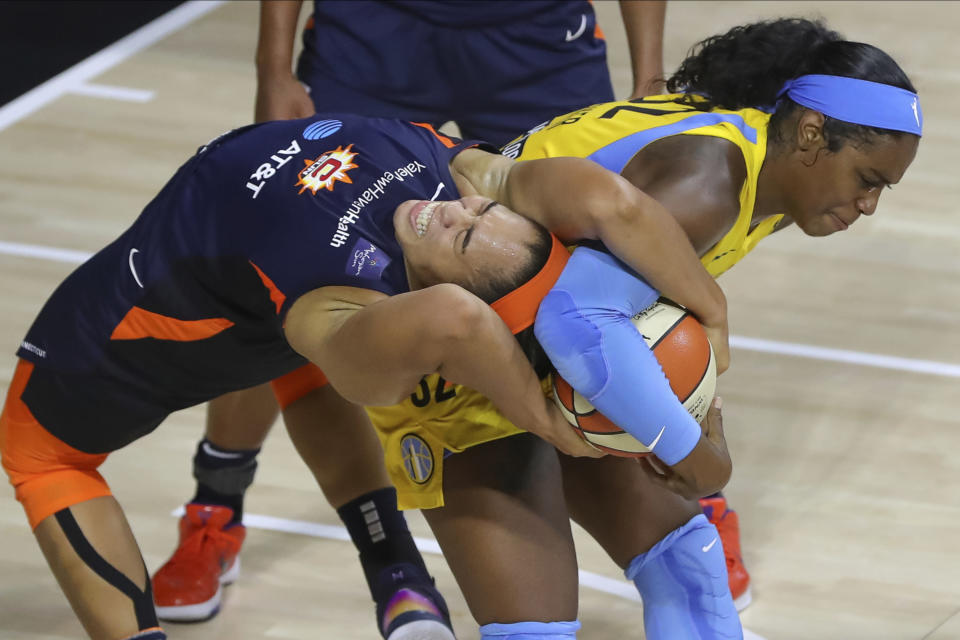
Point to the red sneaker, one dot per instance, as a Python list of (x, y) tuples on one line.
[(728, 526), (187, 588)]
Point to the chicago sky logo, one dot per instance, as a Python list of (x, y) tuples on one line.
[(327, 170), (417, 458), (322, 129)]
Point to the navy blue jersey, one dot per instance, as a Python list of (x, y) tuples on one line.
[(189, 302)]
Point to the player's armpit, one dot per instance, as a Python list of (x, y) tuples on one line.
[(478, 172)]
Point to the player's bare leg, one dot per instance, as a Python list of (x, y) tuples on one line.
[(338, 443), (505, 533), (241, 420), (95, 558), (597, 490)]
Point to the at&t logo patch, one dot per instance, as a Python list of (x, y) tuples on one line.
[(417, 458), (322, 129)]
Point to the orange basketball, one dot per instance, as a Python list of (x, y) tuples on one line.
[(681, 346)]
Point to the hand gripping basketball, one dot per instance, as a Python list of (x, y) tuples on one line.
[(681, 347)]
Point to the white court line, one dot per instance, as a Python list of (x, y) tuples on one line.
[(44, 253), (110, 92), (849, 357), (913, 365), (77, 75), (619, 588)]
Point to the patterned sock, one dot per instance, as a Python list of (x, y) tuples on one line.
[(379, 531), (398, 580)]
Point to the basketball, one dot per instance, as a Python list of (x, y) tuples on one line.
[(681, 346)]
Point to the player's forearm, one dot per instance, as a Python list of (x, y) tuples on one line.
[(706, 470), (278, 29), (642, 233), (374, 349), (488, 359), (643, 21)]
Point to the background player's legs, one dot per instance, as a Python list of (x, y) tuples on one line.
[(336, 440), (662, 541), (95, 558), (242, 419), (188, 586), (505, 532)]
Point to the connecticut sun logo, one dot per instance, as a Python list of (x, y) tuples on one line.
[(327, 170)]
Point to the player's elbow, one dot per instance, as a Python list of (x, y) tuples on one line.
[(456, 316), (624, 207)]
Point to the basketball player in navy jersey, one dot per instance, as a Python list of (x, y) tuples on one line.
[(326, 241), (424, 61)]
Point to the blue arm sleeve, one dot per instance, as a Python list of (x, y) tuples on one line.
[(584, 325)]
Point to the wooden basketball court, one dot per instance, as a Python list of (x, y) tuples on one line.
[(840, 407)]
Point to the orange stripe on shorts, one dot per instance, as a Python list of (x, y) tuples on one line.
[(291, 387), (47, 474)]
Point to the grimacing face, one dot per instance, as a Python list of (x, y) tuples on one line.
[(463, 241), (830, 194)]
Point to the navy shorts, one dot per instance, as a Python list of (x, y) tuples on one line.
[(495, 80)]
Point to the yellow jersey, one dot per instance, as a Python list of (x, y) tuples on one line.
[(612, 133)]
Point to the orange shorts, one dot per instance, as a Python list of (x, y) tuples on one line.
[(291, 387), (47, 474)]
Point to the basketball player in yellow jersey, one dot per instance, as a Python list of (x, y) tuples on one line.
[(655, 143), (841, 121), (732, 174)]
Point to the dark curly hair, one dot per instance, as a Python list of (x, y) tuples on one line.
[(749, 64)]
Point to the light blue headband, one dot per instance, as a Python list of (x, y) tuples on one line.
[(871, 104)]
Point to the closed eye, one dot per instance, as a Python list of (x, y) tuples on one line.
[(469, 234), (871, 184)]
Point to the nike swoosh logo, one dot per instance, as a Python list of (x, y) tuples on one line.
[(210, 451), (437, 192), (133, 269), (707, 547), (583, 27), (657, 439)]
